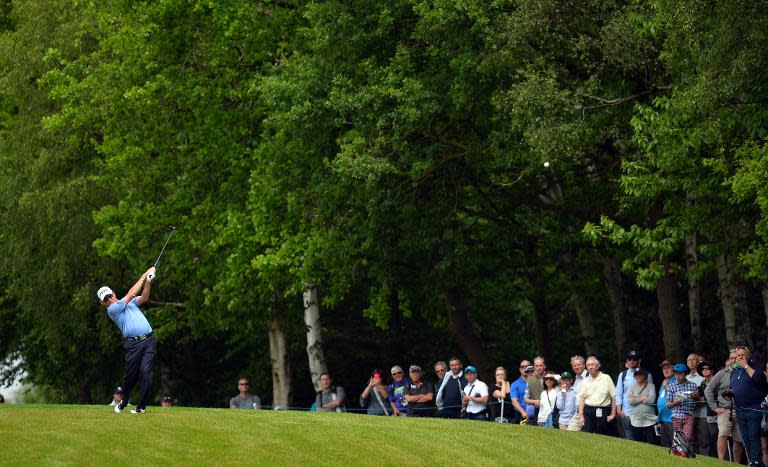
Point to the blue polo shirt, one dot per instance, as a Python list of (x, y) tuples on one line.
[(129, 318), (748, 392), (517, 391)]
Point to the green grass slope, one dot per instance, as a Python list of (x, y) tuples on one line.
[(94, 435)]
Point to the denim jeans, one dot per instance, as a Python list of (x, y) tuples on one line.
[(626, 423), (749, 425)]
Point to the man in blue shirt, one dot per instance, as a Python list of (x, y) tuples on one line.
[(625, 381), (517, 392), (140, 346), (749, 388)]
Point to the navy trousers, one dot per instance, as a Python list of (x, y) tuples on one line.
[(139, 359)]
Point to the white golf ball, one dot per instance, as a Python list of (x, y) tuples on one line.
[(546, 164)]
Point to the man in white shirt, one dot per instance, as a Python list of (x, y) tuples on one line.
[(475, 396), (580, 373)]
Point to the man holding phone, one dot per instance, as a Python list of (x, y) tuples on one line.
[(749, 387)]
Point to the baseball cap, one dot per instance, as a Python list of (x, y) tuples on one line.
[(666, 363), (641, 372), (566, 374), (680, 368), (529, 368), (414, 368), (633, 355), (167, 399), (103, 292), (118, 390), (470, 369)]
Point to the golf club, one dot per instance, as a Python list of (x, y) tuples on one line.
[(151, 276)]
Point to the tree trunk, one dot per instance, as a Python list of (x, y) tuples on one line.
[(733, 299), (586, 323), (541, 322), (315, 354), (281, 363), (669, 315), (619, 308), (694, 291), (464, 333), (764, 289)]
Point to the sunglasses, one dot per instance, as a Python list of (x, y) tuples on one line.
[(397, 373), (706, 368)]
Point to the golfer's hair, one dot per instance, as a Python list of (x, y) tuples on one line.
[(577, 357)]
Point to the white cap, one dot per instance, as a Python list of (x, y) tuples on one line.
[(103, 292)]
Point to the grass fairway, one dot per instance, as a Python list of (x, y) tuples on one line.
[(93, 435)]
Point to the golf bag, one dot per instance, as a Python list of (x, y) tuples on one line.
[(681, 445)]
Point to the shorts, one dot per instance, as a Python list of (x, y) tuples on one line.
[(727, 426)]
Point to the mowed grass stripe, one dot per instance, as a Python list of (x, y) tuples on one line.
[(93, 435)]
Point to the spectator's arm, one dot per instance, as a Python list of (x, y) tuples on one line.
[(651, 398), (619, 391), (711, 391), (516, 405)]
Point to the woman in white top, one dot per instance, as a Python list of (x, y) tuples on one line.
[(548, 399), (642, 398)]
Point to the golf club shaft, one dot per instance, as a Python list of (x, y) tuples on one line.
[(173, 229)]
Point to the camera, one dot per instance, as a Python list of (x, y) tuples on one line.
[(727, 393)]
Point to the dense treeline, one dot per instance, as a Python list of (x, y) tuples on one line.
[(488, 179)]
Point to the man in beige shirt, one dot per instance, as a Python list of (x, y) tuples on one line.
[(596, 400)]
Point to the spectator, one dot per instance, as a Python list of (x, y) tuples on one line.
[(665, 413), (700, 427), (374, 395), (535, 387), (723, 407), (449, 397), (475, 396), (642, 397), (517, 392), (245, 400), (624, 383), (166, 401), (441, 368), (566, 401), (763, 431), (396, 392), (548, 399), (578, 364), (117, 397), (597, 400), (705, 370), (681, 398), (418, 394), (501, 407), (330, 398), (749, 387)]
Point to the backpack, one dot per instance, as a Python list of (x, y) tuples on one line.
[(681, 445)]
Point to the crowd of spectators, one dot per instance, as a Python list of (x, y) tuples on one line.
[(720, 409)]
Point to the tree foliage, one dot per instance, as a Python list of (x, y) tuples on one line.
[(454, 177)]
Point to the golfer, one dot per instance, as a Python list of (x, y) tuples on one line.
[(140, 346)]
